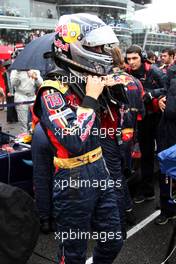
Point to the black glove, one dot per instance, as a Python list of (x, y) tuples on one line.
[(147, 98)]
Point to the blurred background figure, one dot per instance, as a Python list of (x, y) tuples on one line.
[(166, 139), (2, 97), (49, 13), (153, 81), (17, 49), (121, 117), (167, 56), (24, 84), (151, 57), (11, 111), (175, 55)]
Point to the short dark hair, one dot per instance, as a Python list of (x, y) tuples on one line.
[(170, 51), (134, 49), (150, 54)]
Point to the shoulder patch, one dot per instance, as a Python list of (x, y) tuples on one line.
[(61, 114), (63, 88), (54, 101)]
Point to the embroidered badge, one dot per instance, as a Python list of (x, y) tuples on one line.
[(62, 114), (54, 101)]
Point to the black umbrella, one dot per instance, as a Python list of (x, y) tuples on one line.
[(31, 57)]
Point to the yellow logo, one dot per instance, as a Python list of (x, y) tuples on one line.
[(73, 33), (69, 32)]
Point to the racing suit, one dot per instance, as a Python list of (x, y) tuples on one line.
[(69, 124), (153, 81), (42, 172), (118, 141)]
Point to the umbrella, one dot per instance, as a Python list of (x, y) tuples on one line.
[(31, 57), (5, 52)]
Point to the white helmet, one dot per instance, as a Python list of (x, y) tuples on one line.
[(77, 35)]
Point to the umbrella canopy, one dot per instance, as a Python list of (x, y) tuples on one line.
[(5, 52), (31, 57)]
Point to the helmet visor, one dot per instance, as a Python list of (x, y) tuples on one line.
[(100, 36)]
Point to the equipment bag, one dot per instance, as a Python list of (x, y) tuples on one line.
[(167, 160), (19, 225)]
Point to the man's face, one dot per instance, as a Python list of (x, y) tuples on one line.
[(134, 60), (152, 60), (175, 58), (166, 59)]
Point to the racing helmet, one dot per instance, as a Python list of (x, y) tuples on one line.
[(77, 36)]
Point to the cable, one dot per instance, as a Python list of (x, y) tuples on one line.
[(39, 255)]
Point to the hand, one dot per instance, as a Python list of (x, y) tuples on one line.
[(109, 80), (94, 86), (162, 103), (9, 94), (2, 94), (2, 99), (32, 74)]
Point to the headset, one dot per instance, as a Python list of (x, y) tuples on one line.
[(137, 49)]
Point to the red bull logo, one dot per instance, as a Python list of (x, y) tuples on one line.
[(61, 45), (69, 32), (81, 118), (123, 79)]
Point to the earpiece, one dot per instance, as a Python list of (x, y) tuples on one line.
[(143, 55), (136, 49)]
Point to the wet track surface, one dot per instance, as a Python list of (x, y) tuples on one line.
[(147, 246)]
